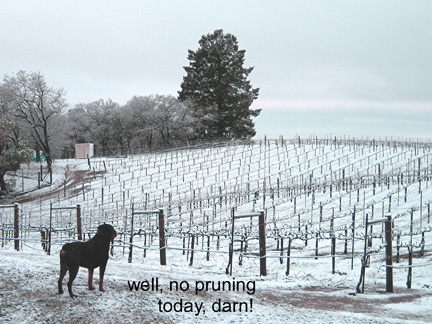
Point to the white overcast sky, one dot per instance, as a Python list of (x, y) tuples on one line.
[(323, 67)]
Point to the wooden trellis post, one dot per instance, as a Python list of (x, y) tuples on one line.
[(288, 256), (262, 236), (16, 223), (131, 236), (79, 225), (162, 248), (78, 218), (192, 250), (16, 226), (161, 222), (389, 256), (262, 242), (50, 230)]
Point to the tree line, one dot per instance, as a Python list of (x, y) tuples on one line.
[(213, 104)]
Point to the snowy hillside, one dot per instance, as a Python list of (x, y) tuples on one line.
[(315, 194)]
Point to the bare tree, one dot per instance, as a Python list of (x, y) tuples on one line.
[(159, 120), (38, 105), (144, 122), (140, 111), (173, 120)]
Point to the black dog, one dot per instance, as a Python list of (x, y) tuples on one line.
[(90, 255)]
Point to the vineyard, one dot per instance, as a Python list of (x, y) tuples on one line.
[(324, 203)]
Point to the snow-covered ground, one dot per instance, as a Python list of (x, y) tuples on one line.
[(309, 193), (28, 294)]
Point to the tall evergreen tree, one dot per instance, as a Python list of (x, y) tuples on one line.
[(216, 82)]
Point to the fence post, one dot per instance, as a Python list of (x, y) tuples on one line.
[(389, 255), (409, 277), (361, 284), (16, 226), (162, 248), (131, 236), (43, 240), (184, 242), (397, 248), (410, 251), (49, 230), (231, 247), (288, 256), (208, 248), (346, 241), (353, 237), (192, 250), (281, 250), (79, 227), (262, 240), (333, 251)]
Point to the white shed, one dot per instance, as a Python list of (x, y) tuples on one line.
[(84, 150)]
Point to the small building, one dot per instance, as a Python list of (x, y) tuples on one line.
[(84, 150)]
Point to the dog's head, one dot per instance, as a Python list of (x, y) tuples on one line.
[(107, 232)]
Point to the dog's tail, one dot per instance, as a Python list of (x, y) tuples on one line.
[(63, 251), (64, 256)]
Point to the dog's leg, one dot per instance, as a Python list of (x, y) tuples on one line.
[(72, 274), (90, 279), (101, 275), (63, 270)]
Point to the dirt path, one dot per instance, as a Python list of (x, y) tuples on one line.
[(73, 177), (334, 300)]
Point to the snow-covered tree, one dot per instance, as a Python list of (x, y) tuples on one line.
[(13, 150), (94, 122), (140, 112), (173, 120), (38, 106), (159, 120), (217, 82)]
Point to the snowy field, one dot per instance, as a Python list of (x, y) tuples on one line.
[(314, 193), (28, 295)]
